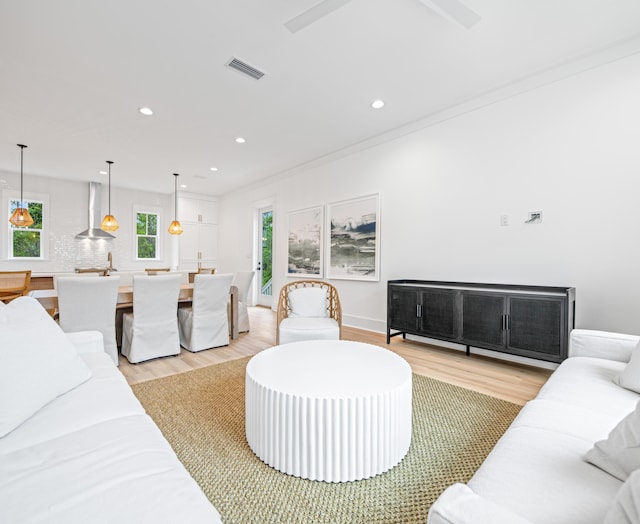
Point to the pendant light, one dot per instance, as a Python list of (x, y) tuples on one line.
[(21, 216), (109, 222), (175, 228)]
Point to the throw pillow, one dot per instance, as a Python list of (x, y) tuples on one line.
[(626, 504), (308, 302), (37, 362), (619, 454), (629, 378)]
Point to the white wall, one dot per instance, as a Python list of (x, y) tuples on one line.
[(68, 216), (568, 149)]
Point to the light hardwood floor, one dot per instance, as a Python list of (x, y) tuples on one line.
[(506, 380)]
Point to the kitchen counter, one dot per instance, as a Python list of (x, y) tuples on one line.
[(45, 280)]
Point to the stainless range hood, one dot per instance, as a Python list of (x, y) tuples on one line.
[(95, 216)]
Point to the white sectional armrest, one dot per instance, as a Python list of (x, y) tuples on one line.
[(602, 344), (87, 341), (458, 504)]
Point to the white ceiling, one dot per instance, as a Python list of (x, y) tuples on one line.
[(74, 73)]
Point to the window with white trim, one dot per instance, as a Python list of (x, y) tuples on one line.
[(147, 241), (27, 242)]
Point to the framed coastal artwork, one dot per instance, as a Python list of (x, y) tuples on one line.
[(354, 239), (305, 250)]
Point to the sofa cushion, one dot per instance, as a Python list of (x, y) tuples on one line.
[(461, 505), (308, 302), (117, 471), (106, 396), (629, 378), (539, 474), (575, 421), (626, 506), (588, 382), (37, 362), (619, 454)]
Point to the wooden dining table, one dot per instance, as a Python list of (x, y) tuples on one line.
[(49, 300)]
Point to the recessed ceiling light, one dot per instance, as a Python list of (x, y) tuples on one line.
[(240, 140), (103, 172), (146, 111), (213, 168), (377, 104), (183, 186)]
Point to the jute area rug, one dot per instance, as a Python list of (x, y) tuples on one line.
[(201, 413)]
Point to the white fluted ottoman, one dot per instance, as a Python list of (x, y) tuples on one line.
[(330, 410)]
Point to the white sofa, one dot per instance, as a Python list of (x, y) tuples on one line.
[(91, 455), (537, 472)]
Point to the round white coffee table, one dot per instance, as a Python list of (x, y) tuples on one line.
[(329, 410)]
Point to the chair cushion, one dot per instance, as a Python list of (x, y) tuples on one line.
[(297, 329), (37, 362), (308, 302)]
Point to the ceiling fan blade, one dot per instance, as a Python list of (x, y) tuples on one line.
[(455, 11), (315, 13)]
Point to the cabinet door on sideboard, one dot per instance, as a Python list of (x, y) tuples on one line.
[(439, 311), (402, 307), (535, 326), (483, 320)]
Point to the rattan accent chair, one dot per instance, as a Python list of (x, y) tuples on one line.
[(14, 284), (307, 315)]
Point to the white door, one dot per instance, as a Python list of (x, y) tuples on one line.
[(264, 245)]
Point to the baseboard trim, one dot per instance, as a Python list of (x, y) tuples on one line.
[(368, 324)]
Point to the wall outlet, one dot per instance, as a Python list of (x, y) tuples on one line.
[(535, 217), (504, 220)]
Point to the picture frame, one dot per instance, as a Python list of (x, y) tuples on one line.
[(305, 244), (353, 239)]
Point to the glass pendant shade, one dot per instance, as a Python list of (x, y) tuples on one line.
[(21, 216), (175, 228), (109, 222)]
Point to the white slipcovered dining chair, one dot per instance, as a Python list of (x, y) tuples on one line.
[(151, 331), (89, 303), (242, 280), (308, 310), (205, 324)]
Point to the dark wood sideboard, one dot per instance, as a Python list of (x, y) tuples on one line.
[(528, 321)]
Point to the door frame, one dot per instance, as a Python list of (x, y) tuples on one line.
[(258, 209)]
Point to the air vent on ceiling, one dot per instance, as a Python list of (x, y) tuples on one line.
[(245, 68)]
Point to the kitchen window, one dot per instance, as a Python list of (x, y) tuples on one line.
[(147, 236), (27, 242)]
